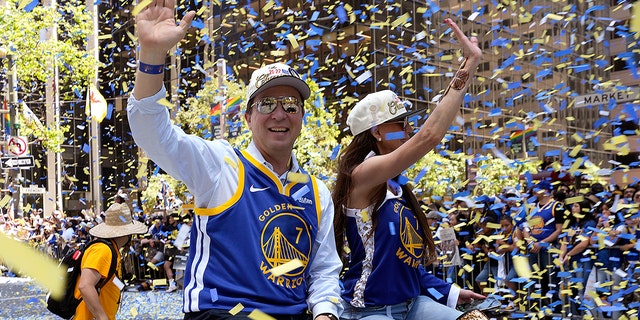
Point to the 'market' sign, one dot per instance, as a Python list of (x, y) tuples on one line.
[(604, 98)]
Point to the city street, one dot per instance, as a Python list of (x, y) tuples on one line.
[(23, 299)]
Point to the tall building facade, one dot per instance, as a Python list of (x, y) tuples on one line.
[(539, 57), (542, 59)]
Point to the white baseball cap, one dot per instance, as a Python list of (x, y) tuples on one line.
[(276, 74), (377, 108)]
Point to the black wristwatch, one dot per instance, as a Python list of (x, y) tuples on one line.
[(330, 315)]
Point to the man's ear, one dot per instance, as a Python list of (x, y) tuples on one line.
[(247, 118)]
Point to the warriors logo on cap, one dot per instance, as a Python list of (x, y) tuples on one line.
[(377, 108), (276, 74)]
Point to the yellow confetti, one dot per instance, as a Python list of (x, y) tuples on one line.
[(133, 312), (201, 10), (619, 139), (576, 165), (573, 200), (236, 309), (267, 6), (297, 177), (401, 20), (142, 167), (575, 151), (230, 162), (601, 243), (595, 298), (293, 41), (525, 18), (522, 266), (284, 268), (558, 263), (159, 282), (577, 137), (553, 16), (259, 315), (5, 201), (140, 6), (23, 258), (493, 225), (132, 36), (165, 102), (23, 3), (152, 266), (635, 21), (365, 216)]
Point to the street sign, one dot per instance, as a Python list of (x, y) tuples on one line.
[(17, 145), (17, 162), (32, 190), (619, 96)]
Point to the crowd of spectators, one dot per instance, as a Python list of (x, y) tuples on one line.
[(586, 264), (579, 245), (149, 259)]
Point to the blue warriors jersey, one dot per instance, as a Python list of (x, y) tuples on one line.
[(386, 268), (542, 221), (235, 246), (634, 254)]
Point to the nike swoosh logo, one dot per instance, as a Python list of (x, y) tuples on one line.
[(254, 189)]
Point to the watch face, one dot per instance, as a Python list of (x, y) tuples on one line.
[(489, 303), (329, 315)]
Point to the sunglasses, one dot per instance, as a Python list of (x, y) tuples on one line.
[(267, 105), (404, 123)]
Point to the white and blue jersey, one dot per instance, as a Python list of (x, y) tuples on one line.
[(385, 264), (248, 220), (283, 229), (543, 220)]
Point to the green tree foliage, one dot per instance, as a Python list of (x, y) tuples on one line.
[(22, 34), (494, 174), (194, 117), (438, 176), (50, 138), (153, 189), (441, 175)]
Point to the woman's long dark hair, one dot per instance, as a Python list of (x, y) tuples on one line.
[(353, 155), (585, 209)]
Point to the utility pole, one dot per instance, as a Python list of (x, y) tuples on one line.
[(53, 198), (13, 178), (222, 75), (94, 130)]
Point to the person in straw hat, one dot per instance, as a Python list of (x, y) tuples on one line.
[(117, 227)]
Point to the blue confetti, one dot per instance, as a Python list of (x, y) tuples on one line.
[(31, 5), (398, 135), (435, 294)]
